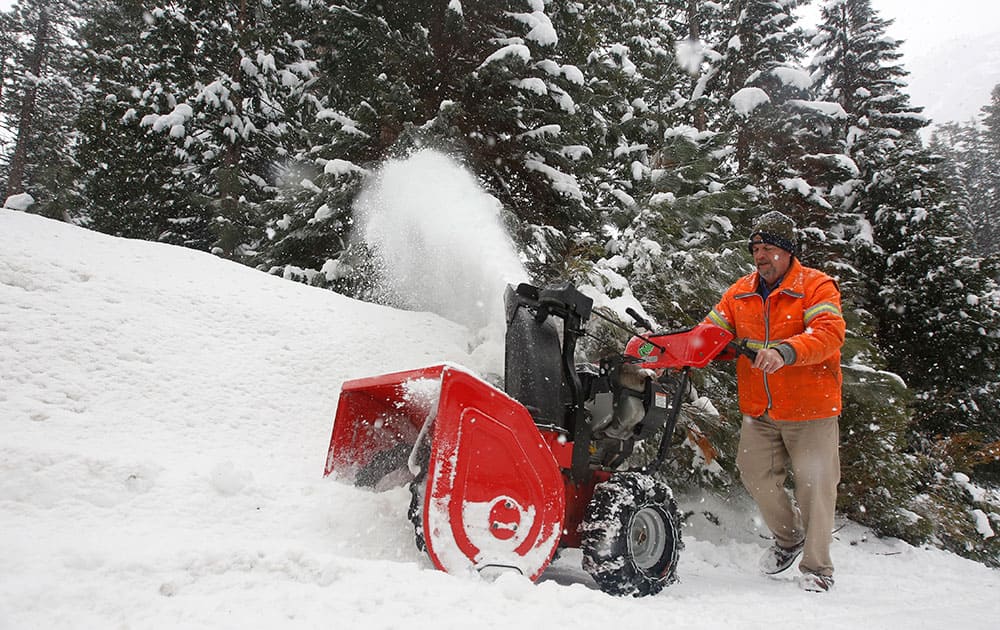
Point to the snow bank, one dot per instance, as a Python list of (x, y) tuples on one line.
[(20, 201), (165, 418)]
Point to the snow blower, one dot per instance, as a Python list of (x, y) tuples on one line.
[(500, 480)]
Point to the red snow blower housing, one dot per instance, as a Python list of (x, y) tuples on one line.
[(500, 480)]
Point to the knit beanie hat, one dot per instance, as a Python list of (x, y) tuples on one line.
[(774, 228)]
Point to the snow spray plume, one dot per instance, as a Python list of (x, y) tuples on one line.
[(439, 241)]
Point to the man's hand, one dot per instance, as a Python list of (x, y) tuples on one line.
[(769, 360)]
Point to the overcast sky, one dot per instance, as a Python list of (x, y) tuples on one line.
[(951, 49)]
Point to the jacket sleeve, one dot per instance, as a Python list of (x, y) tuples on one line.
[(824, 326)]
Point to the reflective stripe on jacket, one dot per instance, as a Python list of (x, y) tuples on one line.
[(803, 314)]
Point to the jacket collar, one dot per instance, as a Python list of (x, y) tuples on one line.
[(792, 282)]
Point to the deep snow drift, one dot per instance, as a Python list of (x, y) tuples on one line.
[(165, 417)]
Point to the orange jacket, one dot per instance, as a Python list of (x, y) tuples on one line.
[(801, 318)]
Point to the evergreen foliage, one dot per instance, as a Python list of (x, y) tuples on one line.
[(972, 151), (924, 295), (225, 85), (39, 104), (990, 200), (482, 80), (135, 183)]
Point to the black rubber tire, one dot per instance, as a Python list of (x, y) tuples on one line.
[(418, 487), (631, 537)]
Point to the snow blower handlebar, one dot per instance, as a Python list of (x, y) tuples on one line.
[(639, 319), (679, 350), (683, 350), (735, 348)]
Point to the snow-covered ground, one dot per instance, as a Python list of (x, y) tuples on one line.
[(164, 421)]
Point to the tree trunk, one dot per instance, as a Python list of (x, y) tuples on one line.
[(229, 175), (36, 63), (694, 34), (737, 80), (3, 75)]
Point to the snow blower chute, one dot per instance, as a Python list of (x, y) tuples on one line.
[(500, 480)]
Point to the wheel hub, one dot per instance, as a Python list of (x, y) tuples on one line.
[(648, 537)]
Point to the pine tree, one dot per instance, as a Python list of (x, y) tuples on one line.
[(625, 49), (762, 47), (228, 96), (967, 168), (906, 201), (40, 99), (8, 52), (988, 198), (628, 51), (856, 65), (136, 184), (358, 108), (486, 82), (933, 307), (938, 304)]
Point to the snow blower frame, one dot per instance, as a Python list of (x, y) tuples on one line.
[(500, 480)]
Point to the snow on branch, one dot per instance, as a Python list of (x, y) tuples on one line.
[(347, 125), (174, 121), (572, 73), (531, 84), (615, 56), (542, 32), (339, 168), (576, 152), (748, 99), (564, 100), (511, 50), (802, 187), (542, 132), (265, 61), (836, 160), (561, 182), (216, 94), (826, 108), (793, 77)]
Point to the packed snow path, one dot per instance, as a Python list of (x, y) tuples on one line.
[(165, 417)]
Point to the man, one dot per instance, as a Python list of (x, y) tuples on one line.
[(790, 397)]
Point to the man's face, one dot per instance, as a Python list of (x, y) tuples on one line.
[(772, 262)]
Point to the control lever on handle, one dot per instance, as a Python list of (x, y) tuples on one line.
[(639, 319), (741, 347)]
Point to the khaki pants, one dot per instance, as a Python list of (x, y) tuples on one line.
[(812, 447)]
